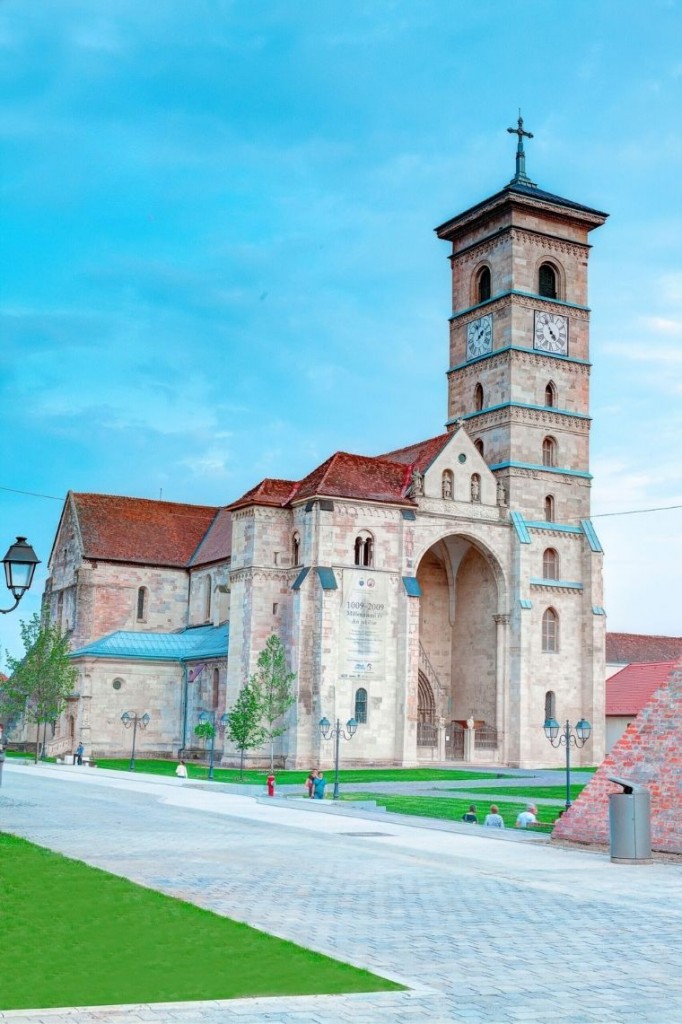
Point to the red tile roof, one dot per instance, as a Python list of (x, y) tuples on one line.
[(118, 529), (217, 544), (343, 475), (625, 648), (419, 455), (268, 492), (630, 689), (357, 476)]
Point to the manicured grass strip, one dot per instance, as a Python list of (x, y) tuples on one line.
[(452, 810), (258, 776), (73, 935), (528, 793)]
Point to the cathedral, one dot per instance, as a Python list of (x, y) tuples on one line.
[(446, 595)]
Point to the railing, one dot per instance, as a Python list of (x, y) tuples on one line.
[(427, 734), (430, 672), (486, 738)]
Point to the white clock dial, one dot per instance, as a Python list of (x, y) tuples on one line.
[(551, 333), (480, 336)]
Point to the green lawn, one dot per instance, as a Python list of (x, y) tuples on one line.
[(258, 776), (452, 810), (529, 793), (73, 935)]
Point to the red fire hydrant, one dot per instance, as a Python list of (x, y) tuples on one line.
[(271, 785)]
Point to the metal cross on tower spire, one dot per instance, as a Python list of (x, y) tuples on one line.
[(521, 178)]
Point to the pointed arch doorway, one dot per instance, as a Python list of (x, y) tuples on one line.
[(462, 588)]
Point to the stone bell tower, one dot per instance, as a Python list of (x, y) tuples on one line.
[(519, 341)]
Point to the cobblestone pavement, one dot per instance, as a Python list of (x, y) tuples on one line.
[(503, 931)]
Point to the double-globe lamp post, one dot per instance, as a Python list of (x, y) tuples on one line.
[(130, 718), (337, 731), (566, 737), (209, 716)]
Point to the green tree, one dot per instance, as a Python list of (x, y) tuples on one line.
[(41, 681), (244, 723), (273, 686)]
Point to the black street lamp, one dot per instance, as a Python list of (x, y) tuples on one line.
[(337, 731), (209, 716), (128, 719), (20, 564), (558, 737)]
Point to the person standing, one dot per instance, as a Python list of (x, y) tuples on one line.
[(318, 785), (494, 819), (310, 783), (80, 750)]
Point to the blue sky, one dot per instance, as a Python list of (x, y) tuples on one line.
[(217, 252)]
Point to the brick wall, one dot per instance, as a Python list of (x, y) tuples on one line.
[(650, 753)]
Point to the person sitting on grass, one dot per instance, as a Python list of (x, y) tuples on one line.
[(494, 819), (471, 815), (527, 817)]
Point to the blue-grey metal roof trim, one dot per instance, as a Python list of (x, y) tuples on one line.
[(524, 295), (412, 588), (187, 645), (326, 577), (542, 524), (298, 582), (541, 469), (591, 534), (525, 604), (409, 514), (598, 610), (520, 405), (520, 527), (571, 584), (519, 348)]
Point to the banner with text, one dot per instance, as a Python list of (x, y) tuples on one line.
[(363, 626)]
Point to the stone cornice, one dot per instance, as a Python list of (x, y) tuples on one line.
[(524, 357), (548, 243), (263, 572), (563, 421), (527, 300)]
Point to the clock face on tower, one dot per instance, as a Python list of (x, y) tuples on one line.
[(551, 333), (480, 336)]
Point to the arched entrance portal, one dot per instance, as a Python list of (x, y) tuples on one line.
[(457, 631), (427, 729)]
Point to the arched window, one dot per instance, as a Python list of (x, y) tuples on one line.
[(216, 687), (72, 727), (550, 631), (478, 397), (549, 452), (360, 714), (296, 549), (549, 508), (447, 486), (478, 445), (475, 487), (142, 604), (364, 549), (484, 283), (547, 281), (550, 395), (550, 564), (208, 587), (550, 704)]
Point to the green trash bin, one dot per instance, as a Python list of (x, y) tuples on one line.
[(630, 823)]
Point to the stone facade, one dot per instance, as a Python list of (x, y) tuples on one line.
[(456, 578)]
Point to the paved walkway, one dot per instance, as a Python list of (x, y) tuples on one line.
[(500, 931)]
